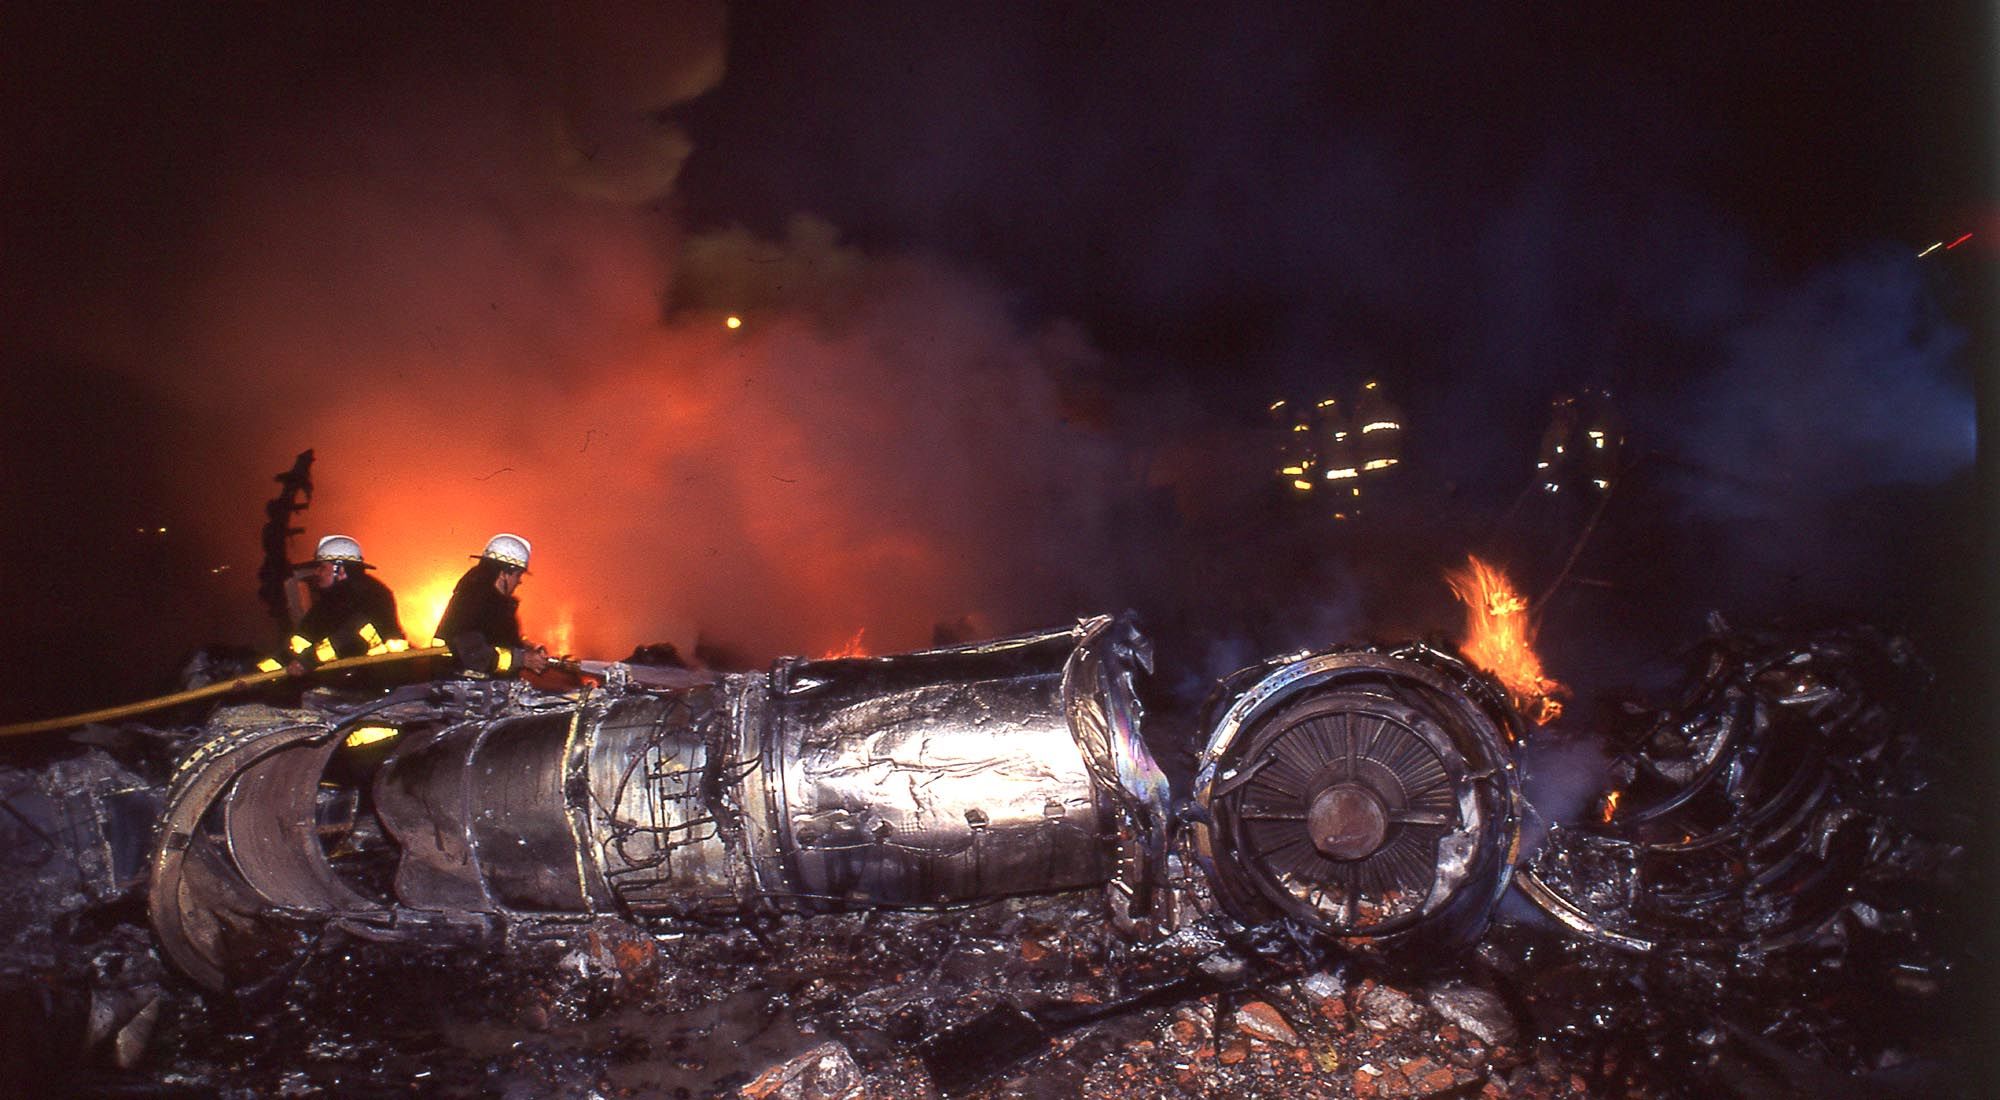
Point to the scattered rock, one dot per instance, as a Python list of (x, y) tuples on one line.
[(1259, 1020), (826, 1072), (1477, 1011), (1222, 967), (1322, 986), (130, 1045), (1383, 1008)]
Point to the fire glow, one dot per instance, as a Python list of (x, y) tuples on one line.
[(851, 648), (560, 359), (1497, 637)]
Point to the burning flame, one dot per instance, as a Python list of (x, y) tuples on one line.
[(560, 638), (1496, 637), (852, 648), (1610, 806), (422, 605)]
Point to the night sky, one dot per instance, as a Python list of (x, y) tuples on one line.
[(1017, 282)]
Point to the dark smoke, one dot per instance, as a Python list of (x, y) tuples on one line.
[(1015, 284)]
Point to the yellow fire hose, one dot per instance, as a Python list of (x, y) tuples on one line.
[(222, 687)]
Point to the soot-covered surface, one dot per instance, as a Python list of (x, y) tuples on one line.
[(1832, 958)]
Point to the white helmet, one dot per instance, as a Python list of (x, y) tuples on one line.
[(339, 548), (508, 550)]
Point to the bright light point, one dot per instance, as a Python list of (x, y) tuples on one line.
[(1957, 242), (734, 321), (1930, 250)]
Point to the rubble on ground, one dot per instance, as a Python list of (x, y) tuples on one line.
[(814, 1007)]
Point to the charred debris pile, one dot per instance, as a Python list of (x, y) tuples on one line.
[(960, 872)]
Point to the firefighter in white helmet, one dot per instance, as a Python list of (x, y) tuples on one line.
[(352, 613), (482, 623)]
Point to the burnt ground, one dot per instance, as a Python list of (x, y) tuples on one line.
[(1887, 1002), (836, 1005)]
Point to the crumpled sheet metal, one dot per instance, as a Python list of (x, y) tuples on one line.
[(922, 779), (73, 834), (1740, 821), (938, 792), (927, 778), (665, 826), (211, 914), (962, 773)]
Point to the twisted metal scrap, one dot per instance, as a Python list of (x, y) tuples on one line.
[(1755, 814)]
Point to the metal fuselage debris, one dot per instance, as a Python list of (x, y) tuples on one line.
[(1365, 797)]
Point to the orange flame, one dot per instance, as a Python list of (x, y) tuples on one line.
[(1610, 805), (1496, 637), (852, 648), (420, 606), (561, 636)]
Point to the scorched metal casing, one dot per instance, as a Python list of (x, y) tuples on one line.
[(1368, 795), (929, 778)]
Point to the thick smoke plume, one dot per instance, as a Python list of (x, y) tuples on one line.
[(456, 275), (474, 262)]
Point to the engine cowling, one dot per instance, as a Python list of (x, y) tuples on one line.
[(1365, 795)]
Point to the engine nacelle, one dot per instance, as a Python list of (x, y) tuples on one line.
[(922, 779), (1367, 795)]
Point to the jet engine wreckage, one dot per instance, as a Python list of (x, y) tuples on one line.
[(1358, 802), (1368, 797)]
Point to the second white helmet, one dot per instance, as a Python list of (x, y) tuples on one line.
[(508, 550), (338, 548)]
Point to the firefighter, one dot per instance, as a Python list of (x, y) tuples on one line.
[(1581, 448), (482, 623), (1378, 422), (352, 613), (1295, 444)]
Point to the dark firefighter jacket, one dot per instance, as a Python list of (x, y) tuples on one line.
[(356, 615), (483, 627)]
